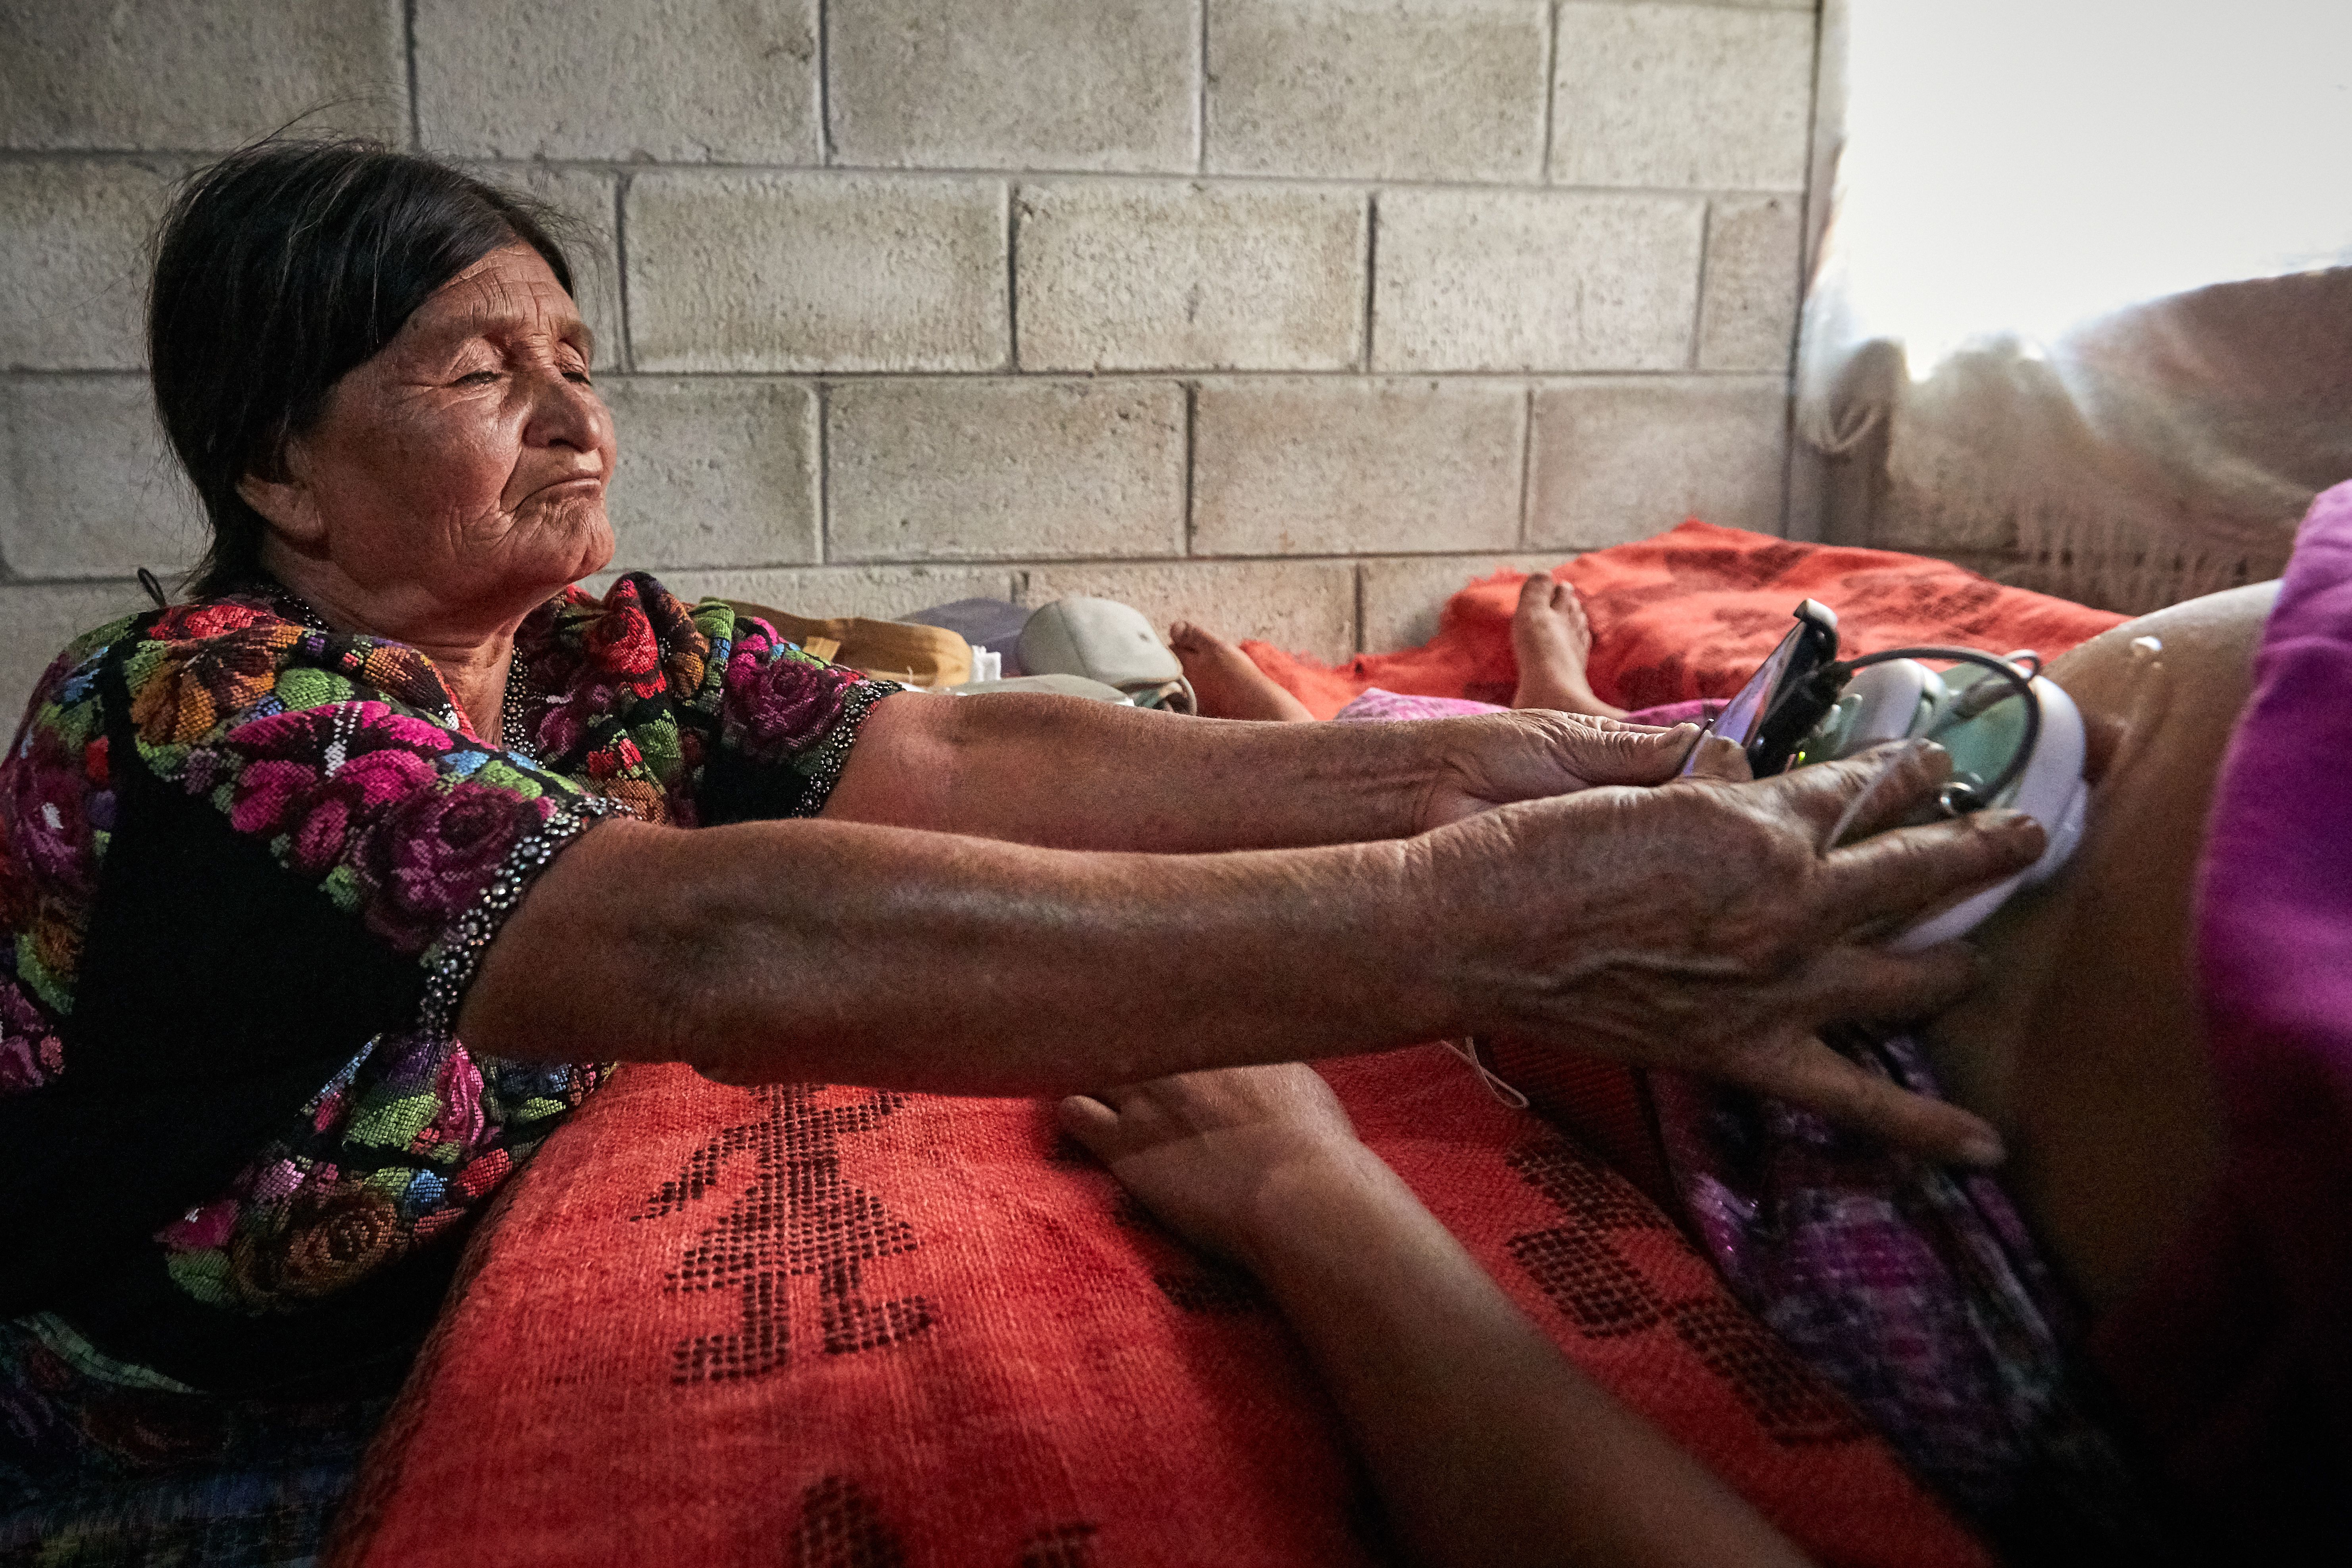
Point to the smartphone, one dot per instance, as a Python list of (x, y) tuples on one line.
[(1776, 709)]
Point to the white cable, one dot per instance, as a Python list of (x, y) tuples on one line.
[(1468, 1050)]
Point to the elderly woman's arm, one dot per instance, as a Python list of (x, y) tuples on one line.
[(1073, 774), (1697, 925)]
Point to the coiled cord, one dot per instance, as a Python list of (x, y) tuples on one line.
[(1960, 798)]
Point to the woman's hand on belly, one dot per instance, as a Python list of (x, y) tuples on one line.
[(1701, 926)]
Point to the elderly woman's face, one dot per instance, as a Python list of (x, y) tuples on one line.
[(465, 465)]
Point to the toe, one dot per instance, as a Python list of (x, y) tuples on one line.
[(1535, 593), (1572, 609)]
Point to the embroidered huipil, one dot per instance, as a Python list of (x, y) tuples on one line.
[(248, 867)]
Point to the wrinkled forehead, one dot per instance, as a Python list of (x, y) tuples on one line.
[(509, 291)]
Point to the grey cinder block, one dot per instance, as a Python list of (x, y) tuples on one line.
[(1122, 275), (198, 75), (1682, 95), (1620, 460), (1523, 281), (676, 80), (1326, 465), (802, 272), (90, 488), (714, 472), (1427, 89), (1013, 84), (979, 469), (1748, 308), (73, 252)]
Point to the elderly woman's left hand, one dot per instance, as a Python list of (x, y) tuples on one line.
[(1063, 773), (1534, 753)]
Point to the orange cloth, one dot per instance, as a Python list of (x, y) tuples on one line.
[(1692, 612), (839, 1328)]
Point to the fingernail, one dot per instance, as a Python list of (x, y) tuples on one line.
[(1984, 1150), (2002, 819)]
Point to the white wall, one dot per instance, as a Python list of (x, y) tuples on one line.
[(1283, 314)]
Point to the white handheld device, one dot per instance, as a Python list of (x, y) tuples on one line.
[(1980, 721), (2015, 738)]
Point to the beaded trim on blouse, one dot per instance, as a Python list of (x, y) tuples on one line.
[(514, 728), (462, 951), (826, 762)]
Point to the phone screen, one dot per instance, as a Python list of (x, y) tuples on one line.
[(1744, 714), (1813, 639)]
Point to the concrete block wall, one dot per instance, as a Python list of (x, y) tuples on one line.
[(1286, 315)]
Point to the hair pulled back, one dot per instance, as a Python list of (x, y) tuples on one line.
[(277, 270)]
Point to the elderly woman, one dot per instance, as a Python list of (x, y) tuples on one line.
[(328, 893)]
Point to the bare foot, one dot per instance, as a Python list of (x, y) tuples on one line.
[(1552, 639), (1227, 684), (1202, 1149)]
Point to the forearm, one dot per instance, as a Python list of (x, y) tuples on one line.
[(1487, 1445), (1073, 774), (850, 954)]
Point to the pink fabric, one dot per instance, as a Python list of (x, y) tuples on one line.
[(2238, 1357), (1378, 707)]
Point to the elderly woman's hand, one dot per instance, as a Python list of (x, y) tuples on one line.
[(1706, 926), (1535, 754)]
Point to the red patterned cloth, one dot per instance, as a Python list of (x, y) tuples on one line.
[(834, 1327), (1691, 613)]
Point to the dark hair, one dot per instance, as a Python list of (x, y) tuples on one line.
[(277, 270)]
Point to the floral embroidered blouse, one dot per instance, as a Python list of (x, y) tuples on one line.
[(247, 865)]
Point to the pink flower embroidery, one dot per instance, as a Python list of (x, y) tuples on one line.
[(782, 704), (276, 1180), (430, 858), (459, 1120), (267, 793), (318, 838), (51, 818), (201, 1229)]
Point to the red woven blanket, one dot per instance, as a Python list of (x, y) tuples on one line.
[(843, 1328), (1692, 612)]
